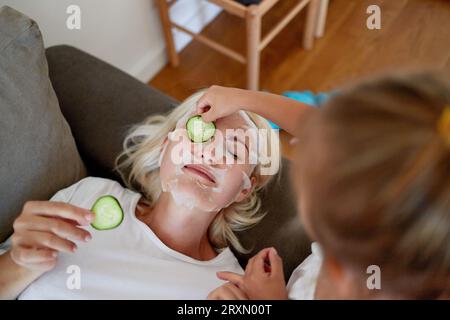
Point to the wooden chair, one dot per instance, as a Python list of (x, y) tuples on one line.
[(315, 22)]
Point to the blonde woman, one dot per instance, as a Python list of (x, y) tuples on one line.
[(180, 218)]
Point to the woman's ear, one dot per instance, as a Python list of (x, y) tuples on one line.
[(247, 191)]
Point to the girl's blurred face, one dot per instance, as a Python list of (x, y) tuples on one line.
[(310, 165), (211, 175), (313, 166)]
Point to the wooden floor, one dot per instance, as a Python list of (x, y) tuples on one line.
[(414, 34)]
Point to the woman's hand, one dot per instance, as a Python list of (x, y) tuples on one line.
[(45, 228), (228, 291), (218, 102), (263, 278)]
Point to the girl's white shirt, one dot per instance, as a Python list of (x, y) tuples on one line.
[(302, 283)]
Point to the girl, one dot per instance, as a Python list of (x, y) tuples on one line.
[(372, 171)]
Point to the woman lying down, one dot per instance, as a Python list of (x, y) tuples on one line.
[(180, 212)]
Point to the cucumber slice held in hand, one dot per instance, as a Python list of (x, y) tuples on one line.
[(108, 213), (198, 130)]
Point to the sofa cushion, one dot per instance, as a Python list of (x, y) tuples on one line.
[(38, 153)]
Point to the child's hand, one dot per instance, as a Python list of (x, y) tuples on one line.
[(228, 291), (263, 278), (218, 102)]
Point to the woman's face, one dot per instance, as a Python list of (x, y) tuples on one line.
[(212, 175)]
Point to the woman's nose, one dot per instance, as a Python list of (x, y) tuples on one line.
[(209, 152)]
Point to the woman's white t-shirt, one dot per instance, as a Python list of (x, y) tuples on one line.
[(128, 262)]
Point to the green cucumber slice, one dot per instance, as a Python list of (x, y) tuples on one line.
[(198, 130), (108, 213)]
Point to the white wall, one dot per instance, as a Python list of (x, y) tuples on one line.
[(125, 33)]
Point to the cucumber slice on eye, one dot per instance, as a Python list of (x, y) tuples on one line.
[(198, 130), (108, 213)]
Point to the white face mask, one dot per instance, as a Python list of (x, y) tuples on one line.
[(191, 192), (207, 202)]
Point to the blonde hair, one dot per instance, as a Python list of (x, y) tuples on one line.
[(387, 186), (138, 165)]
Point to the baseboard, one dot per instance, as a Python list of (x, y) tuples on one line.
[(193, 15)]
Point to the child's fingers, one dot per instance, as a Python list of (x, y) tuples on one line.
[(248, 267), (228, 291), (257, 265), (276, 263), (232, 277), (234, 292), (205, 110), (209, 116), (203, 103)]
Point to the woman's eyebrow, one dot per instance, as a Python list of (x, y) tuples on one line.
[(235, 136)]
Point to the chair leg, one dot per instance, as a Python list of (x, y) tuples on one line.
[(253, 22), (311, 22), (163, 9), (322, 18)]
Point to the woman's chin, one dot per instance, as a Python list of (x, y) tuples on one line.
[(192, 193), (191, 198)]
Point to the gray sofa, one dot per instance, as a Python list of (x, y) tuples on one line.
[(99, 103)]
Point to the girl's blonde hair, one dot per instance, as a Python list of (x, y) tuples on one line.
[(138, 165), (385, 197)]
